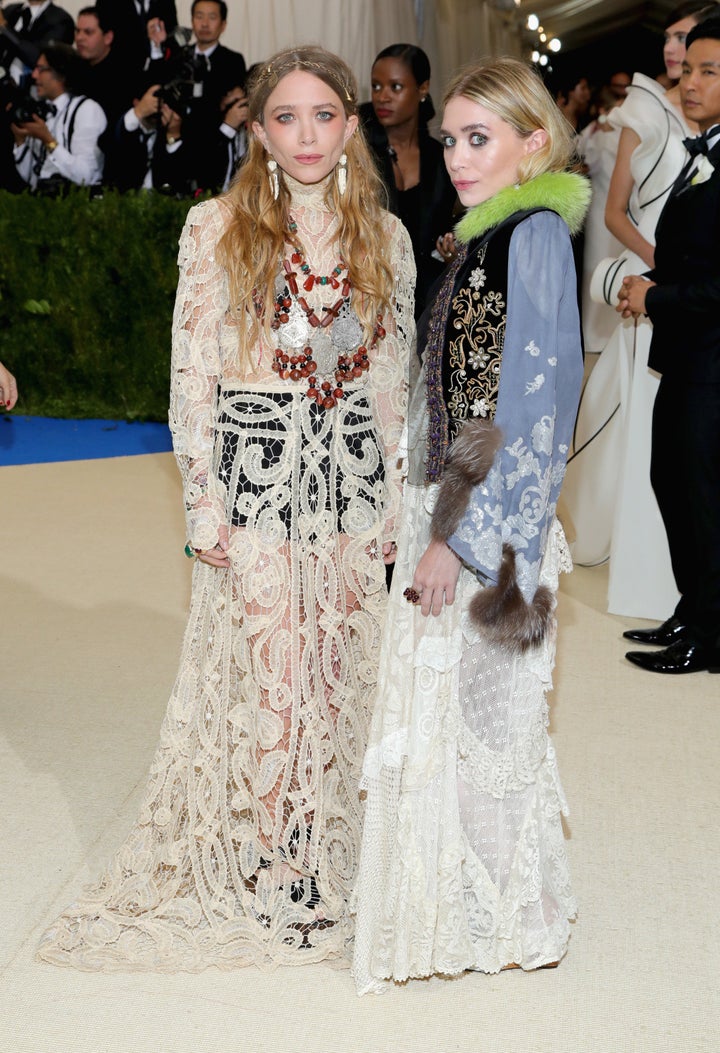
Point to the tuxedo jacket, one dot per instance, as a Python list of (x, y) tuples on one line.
[(127, 159), (227, 70), (54, 24), (684, 306), (130, 28)]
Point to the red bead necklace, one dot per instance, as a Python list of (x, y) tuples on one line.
[(302, 366)]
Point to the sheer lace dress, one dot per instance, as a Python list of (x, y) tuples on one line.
[(246, 846)]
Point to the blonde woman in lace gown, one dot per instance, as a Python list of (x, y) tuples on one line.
[(463, 861), (290, 349)]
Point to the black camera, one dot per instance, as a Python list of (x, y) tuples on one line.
[(18, 106), (181, 90)]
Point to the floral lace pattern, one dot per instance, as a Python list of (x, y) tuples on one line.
[(463, 862), (246, 846)]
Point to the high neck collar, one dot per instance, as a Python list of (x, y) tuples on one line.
[(308, 195)]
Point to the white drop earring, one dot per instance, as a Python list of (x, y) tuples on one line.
[(274, 181), (342, 174)]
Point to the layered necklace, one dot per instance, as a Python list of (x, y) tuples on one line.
[(338, 356)]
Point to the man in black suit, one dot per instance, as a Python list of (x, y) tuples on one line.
[(219, 68), (33, 25), (682, 298), (128, 20), (106, 79), (40, 24)]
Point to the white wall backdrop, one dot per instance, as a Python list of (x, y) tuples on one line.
[(453, 32)]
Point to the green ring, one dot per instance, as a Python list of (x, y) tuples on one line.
[(189, 552)]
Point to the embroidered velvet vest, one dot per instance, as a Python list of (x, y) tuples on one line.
[(463, 360)]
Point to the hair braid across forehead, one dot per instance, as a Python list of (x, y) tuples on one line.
[(322, 64)]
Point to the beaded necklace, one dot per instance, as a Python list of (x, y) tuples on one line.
[(326, 390)]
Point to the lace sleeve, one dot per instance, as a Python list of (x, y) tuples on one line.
[(388, 377), (200, 307)]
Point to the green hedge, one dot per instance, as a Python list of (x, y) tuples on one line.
[(86, 296)]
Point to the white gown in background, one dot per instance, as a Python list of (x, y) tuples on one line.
[(607, 487), (598, 146)]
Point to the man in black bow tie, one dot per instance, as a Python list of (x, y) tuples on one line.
[(681, 295)]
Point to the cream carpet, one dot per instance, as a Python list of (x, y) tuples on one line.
[(93, 588)]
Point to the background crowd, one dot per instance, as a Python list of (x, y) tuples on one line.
[(124, 97)]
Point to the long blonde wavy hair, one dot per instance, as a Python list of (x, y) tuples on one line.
[(255, 239), (512, 91)]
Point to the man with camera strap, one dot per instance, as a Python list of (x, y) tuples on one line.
[(56, 135)]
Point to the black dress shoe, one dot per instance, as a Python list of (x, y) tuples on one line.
[(684, 656), (661, 636)]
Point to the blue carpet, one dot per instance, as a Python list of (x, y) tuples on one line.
[(33, 440)]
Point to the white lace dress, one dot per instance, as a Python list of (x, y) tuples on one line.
[(464, 863), (246, 846), (607, 486)]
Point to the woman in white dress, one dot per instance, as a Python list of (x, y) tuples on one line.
[(292, 328), (463, 860), (597, 145), (607, 488)]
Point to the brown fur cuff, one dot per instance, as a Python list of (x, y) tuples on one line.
[(469, 461), (503, 616)]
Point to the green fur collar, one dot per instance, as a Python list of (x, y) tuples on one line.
[(566, 193)]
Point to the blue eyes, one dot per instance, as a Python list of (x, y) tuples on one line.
[(475, 139), (321, 115)]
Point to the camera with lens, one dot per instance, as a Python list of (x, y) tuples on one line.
[(181, 90), (18, 106)]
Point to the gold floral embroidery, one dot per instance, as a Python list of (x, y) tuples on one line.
[(474, 355)]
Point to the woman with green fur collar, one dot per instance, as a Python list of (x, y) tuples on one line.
[(463, 860)]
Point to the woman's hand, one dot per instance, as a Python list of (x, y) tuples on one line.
[(389, 551), (8, 388), (446, 246), (435, 577), (217, 556)]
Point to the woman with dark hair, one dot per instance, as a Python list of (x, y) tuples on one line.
[(410, 160)]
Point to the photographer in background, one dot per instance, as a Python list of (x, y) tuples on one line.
[(56, 135), (221, 150), (147, 149)]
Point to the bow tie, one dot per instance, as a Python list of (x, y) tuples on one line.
[(696, 146)]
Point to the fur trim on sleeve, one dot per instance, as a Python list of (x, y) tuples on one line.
[(502, 615), (469, 461)]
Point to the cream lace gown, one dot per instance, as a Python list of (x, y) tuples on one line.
[(246, 846)]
